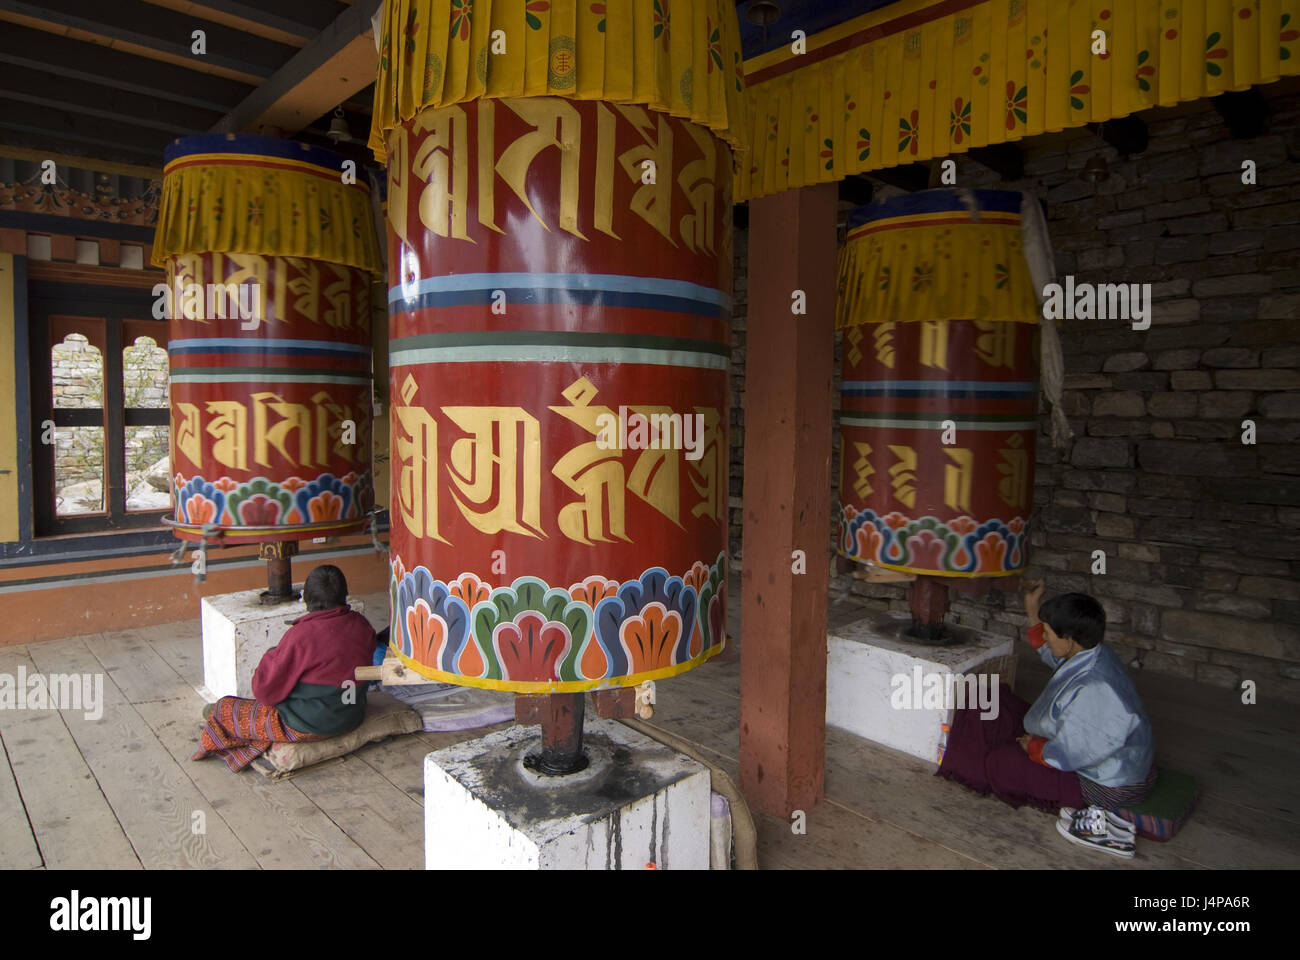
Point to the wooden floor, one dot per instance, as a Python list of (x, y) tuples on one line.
[(122, 793)]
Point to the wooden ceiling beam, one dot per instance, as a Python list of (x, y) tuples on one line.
[(291, 22), (99, 66), (130, 109), (61, 131), (163, 31), (339, 62)]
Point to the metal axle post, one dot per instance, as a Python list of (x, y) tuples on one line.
[(279, 571), (561, 718), (928, 599)]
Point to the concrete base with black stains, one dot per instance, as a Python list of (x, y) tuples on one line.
[(863, 659), (638, 805), (237, 630)]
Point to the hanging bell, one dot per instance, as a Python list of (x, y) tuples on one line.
[(338, 131), (1095, 170)]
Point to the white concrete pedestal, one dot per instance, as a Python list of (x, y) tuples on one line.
[(637, 803), (237, 630), (864, 657)]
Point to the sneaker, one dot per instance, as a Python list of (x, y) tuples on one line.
[(1117, 823), (1090, 827)]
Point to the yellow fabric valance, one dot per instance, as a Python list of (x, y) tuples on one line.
[(680, 57), (926, 257), (901, 84), (229, 202)]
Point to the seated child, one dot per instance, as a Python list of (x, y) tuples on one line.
[(301, 686), (1085, 746)]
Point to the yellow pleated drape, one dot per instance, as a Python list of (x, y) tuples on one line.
[(994, 72), (267, 206), (935, 271), (680, 57)]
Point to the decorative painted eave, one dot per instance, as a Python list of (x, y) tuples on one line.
[(921, 79), (680, 57)]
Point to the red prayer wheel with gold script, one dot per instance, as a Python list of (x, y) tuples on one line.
[(269, 250), (939, 399), (559, 304), (558, 349)]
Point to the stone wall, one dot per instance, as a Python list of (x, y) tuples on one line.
[(1201, 532), (78, 382)]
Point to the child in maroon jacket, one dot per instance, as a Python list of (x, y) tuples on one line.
[(305, 687)]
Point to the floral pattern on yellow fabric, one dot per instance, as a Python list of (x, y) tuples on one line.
[(1022, 68), (256, 205), (667, 55)]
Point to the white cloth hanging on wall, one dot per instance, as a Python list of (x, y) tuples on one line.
[(1042, 267)]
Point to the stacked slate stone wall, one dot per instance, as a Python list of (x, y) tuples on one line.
[(77, 370), (1200, 531)]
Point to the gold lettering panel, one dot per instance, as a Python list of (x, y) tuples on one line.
[(494, 473), (852, 338), (1013, 488), (996, 346), (267, 435), (592, 470), (903, 474), (441, 162), (330, 418), (489, 460), (697, 182), (433, 155), (415, 466), (934, 343), (229, 430), (883, 338), (556, 124), (652, 200), (862, 469), (957, 478), (189, 440), (710, 472)]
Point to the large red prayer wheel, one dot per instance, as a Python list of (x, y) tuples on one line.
[(559, 338), (939, 398), (271, 385)]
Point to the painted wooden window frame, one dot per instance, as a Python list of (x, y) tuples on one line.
[(125, 312)]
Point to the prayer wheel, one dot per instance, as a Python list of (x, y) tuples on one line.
[(939, 400), (559, 339), (268, 246)]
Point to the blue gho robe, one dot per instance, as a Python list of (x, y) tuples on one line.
[(1092, 718)]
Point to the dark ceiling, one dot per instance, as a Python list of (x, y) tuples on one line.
[(117, 79)]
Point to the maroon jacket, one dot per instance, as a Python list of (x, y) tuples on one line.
[(323, 648)]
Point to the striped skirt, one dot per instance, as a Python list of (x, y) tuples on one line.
[(239, 731), (1113, 798)]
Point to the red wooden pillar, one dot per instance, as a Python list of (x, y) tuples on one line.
[(788, 374)]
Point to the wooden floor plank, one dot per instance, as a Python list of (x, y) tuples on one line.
[(837, 838), (74, 824), (181, 647), (18, 850), (887, 786), (400, 760), (152, 798), (891, 786), (882, 808), (382, 819), (136, 667), (275, 822)]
